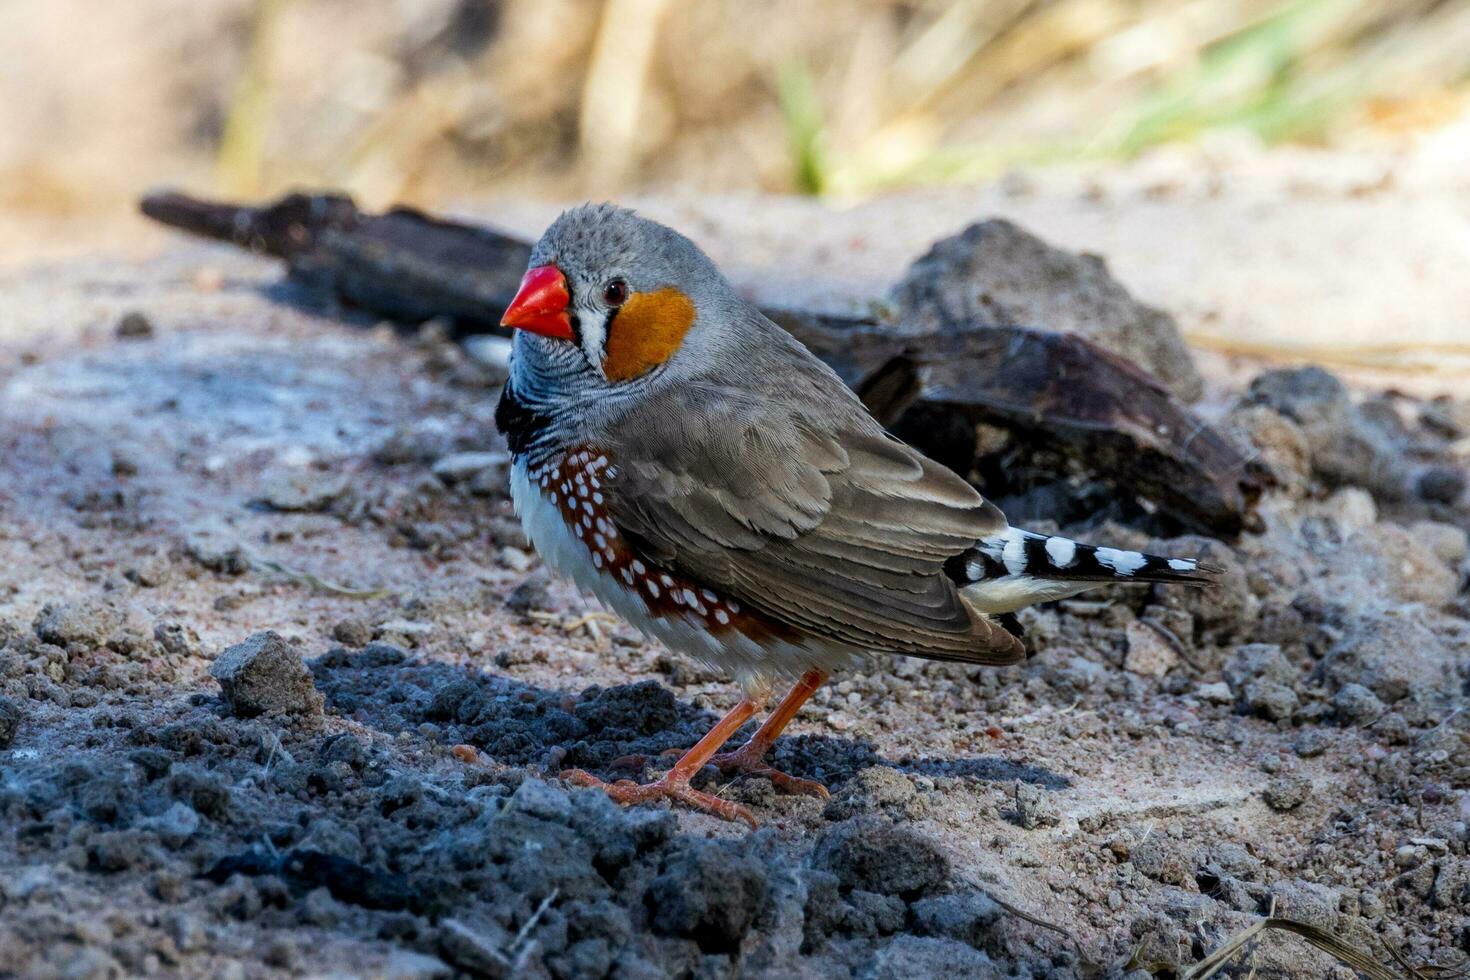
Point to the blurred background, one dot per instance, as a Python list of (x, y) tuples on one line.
[(437, 101)]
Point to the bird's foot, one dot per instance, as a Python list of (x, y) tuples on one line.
[(748, 760), (625, 792)]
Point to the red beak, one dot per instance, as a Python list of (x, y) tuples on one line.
[(540, 305)]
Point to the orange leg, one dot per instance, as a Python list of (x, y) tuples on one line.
[(749, 757), (674, 784)]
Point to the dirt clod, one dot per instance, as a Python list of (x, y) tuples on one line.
[(1033, 808), (874, 854), (265, 675), (11, 717)]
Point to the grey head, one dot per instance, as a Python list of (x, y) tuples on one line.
[(615, 304)]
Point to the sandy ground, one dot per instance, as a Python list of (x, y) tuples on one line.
[(1147, 788)]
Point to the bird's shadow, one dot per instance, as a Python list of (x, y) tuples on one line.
[(596, 728)]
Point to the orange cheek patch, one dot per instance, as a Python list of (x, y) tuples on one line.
[(646, 332)]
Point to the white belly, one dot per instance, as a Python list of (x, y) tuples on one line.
[(753, 664)]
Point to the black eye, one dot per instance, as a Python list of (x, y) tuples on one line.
[(615, 293)]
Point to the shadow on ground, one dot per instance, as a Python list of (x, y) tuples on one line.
[(520, 724)]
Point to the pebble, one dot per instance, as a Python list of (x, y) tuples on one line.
[(353, 632), (302, 490), (1312, 742), (215, 545), (1034, 807), (515, 559), (1149, 654), (266, 675), (1287, 792), (134, 325), (484, 472)]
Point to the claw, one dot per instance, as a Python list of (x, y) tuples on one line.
[(746, 760), (625, 792)]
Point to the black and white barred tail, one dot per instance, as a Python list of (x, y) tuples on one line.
[(1015, 568)]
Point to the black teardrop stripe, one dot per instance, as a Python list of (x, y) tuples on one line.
[(519, 421)]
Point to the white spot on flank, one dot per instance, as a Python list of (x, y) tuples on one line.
[(1182, 564), (709, 596), (628, 575), (596, 497), (597, 559), (1061, 551), (638, 567), (652, 588), (1122, 562), (600, 539), (668, 582), (722, 617), (734, 607)]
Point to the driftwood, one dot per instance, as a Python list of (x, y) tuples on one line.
[(1072, 415)]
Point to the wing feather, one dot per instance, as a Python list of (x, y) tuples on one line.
[(836, 529)]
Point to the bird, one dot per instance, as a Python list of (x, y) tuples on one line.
[(690, 464)]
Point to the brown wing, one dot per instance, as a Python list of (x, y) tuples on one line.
[(838, 530)]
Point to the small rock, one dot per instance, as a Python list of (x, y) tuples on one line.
[(515, 559), (995, 273), (1348, 446), (532, 594), (1161, 859), (879, 789), (1287, 792), (1309, 902), (1034, 807), (134, 325), (1356, 705), (1281, 448), (1216, 693), (1257, 662), (1312, 743), (353, 632), (88, 623), (10, 719), (1441, 484), (215, 545), (1149, 654), (1449, 543), (1389, 562), (1269, 700), (1394, 655), (302, 490), (266, 675), (150, 571), (483, 473)]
